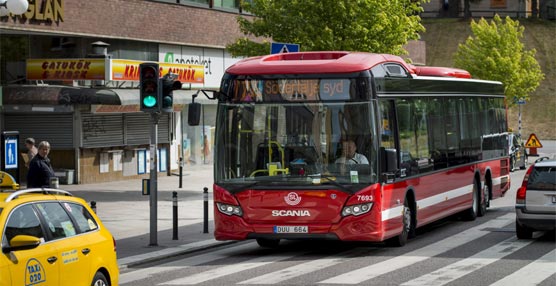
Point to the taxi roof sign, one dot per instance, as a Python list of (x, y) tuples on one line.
[(533, 142)]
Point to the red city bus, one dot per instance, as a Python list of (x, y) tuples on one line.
[(287, 127)]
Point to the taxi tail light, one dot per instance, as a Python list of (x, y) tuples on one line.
[(522, 191), (114, 240)]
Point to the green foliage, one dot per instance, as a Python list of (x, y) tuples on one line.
[(496, 52), (316, 25)]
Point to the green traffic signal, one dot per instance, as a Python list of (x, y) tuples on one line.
[(149, 101), (149, 90)]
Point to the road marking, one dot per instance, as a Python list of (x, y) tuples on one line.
[(301, 269), (229, 269), (363, 274), (144, 273), (456, 270), (124, 262), (533, 273)]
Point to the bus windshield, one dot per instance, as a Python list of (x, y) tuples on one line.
[(296, 142)]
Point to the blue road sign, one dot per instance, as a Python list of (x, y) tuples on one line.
[(277, 48), (10, 145)]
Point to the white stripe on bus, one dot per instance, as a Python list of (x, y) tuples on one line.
[(498, 181), (436, 199), (427, 202)]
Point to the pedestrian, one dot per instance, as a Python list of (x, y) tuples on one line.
[(40, 169), (31, 150)]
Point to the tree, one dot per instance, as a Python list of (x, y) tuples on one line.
[(495, 52), (352, 25)]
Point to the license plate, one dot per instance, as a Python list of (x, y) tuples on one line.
[(291, 229)]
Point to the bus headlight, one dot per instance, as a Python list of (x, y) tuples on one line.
[(357, 209), (229, 209)]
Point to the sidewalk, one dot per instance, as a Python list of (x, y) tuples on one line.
[(126, 213)]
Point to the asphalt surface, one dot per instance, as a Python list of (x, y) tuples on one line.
[(126, 213)]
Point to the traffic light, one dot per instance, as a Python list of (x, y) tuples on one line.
[(149, 92), (169, 84)]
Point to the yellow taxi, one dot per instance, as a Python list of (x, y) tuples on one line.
[(50, 237)]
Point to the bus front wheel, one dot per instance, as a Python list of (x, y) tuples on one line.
[(408, 227)]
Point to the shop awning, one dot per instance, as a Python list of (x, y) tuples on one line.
[(64, 95)]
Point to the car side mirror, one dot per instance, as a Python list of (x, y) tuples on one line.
[(22, 242)]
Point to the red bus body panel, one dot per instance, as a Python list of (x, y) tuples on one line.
[(437, 195)]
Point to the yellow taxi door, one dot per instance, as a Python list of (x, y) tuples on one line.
[(71, 246), (36, 266), (5, 277), (39, 265), (75, 261)]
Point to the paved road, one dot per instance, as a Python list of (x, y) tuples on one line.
[(126, 213), (452, 252), (485, 252)]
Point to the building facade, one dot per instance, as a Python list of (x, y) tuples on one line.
[(544, 9), (68, 76)]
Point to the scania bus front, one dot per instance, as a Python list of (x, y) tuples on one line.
[(281, 170)]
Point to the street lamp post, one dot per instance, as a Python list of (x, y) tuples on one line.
[(16, 7)]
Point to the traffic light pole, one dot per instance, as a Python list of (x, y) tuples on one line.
[(155, 116)]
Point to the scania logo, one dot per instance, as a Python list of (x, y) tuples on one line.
[(292, 199), (291, 213)]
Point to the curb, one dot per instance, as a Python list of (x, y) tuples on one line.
[(135, 260)]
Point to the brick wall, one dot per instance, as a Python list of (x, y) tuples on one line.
[(138, 20)]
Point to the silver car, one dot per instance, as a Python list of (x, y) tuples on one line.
[(536, 199)]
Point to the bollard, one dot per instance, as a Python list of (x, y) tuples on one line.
[(181, 171), (175, 215), (205, 210), (94, 206)]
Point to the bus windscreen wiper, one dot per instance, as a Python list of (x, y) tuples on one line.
[(332, 181)]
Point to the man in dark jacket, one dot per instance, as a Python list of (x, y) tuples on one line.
[(40, 169)]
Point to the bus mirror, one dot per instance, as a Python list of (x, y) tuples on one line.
[(194, 114), (389, 161)]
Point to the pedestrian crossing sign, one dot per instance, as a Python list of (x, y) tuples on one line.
[(533, 142), (279, 48)]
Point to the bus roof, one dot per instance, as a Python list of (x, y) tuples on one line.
[(332, 62), (312, 62)]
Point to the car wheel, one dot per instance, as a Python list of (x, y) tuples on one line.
[(401, 239), (268, 243), (523, 232), (99, 280)]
